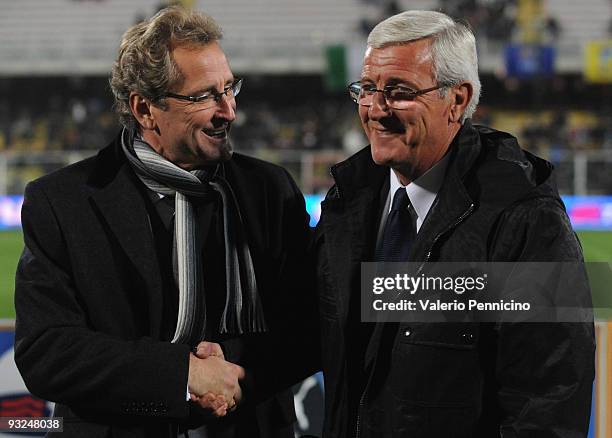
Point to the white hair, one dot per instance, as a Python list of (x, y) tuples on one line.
[(453, 47)]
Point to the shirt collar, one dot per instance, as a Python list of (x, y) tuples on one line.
[(422, 191)]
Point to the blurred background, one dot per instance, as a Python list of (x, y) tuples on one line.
[(546, 70)]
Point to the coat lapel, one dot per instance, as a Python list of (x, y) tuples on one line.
[(350, 222), (349, 232), (250, 190), (122, 207)]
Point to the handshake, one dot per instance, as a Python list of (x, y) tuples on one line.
[(214, 382)]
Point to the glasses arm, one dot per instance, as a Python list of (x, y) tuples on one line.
[(180, 97)]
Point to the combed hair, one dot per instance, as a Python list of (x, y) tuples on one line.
[(144, 62), (453, 47)]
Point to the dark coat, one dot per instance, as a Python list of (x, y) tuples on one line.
[(89, 301), (497, 203)]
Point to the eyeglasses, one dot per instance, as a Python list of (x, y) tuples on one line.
[(397, 96), (210, 99)]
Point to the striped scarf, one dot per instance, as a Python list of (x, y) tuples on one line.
[(243, 311)]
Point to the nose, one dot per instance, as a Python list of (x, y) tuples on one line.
[(379, 108), (226, 108)]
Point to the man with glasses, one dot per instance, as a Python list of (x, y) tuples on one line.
[(164, 283), (432, 187)]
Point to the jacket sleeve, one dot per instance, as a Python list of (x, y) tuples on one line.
[(544, 370), (61, 358)]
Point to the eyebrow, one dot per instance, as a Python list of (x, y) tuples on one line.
[(395, 81), (392, 81)]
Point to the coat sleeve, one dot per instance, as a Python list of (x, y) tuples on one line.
[(544, 370), (61, 358)]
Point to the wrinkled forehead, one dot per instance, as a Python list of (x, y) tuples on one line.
[(413, 60)]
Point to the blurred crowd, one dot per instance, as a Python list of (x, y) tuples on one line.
[(293, 121), (493, 21), (71, 114), (67, 124), (76, 114)]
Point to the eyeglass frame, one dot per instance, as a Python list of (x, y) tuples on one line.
[(387, 90), (236, 86)]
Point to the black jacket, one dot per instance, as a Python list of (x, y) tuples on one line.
[(497, 203), (90, 304)]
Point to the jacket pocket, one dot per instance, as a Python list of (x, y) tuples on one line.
[(458, 336), (436, 365)]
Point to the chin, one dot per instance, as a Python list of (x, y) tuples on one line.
[(382, 155), (216, 154), (225, 152)]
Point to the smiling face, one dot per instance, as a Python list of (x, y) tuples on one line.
[(193, 135), (410, 140)]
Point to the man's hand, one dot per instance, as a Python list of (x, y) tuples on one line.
[(206, 349), (213, 382), (215, 403)]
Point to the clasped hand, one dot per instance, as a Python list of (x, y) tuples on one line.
[(213, 381)]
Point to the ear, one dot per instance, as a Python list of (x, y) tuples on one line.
[(141, 109), (460, 95)]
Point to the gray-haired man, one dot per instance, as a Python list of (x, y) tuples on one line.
[(432, 187)]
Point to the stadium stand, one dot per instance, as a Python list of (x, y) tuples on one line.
[(55, 56)]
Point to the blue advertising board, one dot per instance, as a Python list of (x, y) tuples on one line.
[(526, 61), (585, 212)]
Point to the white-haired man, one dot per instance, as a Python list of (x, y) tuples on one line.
[(432, 187)]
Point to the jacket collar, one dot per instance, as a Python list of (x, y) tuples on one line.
[(356, 173), (454, 202), (465, 149)]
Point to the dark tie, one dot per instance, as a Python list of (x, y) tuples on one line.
[(398, 236), (399, 231)]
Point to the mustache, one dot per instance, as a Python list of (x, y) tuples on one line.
[(388, 124)]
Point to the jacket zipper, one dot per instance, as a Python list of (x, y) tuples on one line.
[(427, 256), (453, 225), (332, 171), (359, 408)]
